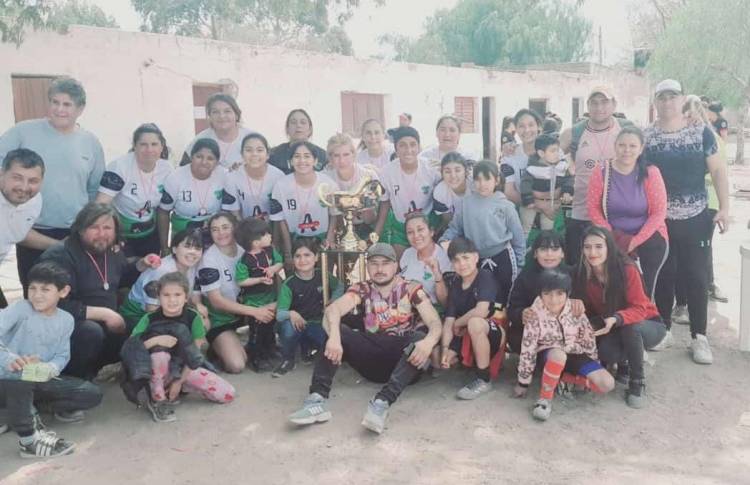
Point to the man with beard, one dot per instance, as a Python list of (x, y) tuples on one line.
[(20, 201), (98, 269), (389, 349)]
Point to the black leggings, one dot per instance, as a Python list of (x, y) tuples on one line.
[(652, 255), (627, 343), (377, 357), (690, 241), (680, 289)]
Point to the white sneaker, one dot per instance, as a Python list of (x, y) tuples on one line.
[(666, 342), (3, 428), (701, 350), (680, 315)]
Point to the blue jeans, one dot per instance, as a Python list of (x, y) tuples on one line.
[(291, 337)]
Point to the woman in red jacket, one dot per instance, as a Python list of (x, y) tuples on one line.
[(628, 197), (626, 320)]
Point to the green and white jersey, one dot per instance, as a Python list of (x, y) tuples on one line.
[(301, 208), (408, 192), (216, 272), (136, 194), (253, 196), (194, 201)]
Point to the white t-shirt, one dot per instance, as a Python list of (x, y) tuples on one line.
[(144, 291), (136, 195), (363, 158), (16, 221), (231, 153), (195, 200), (434, 157), (446, 201), (409, 193), (216, 272), (302, 210), (253, 196), (414, 269), (513, 166)]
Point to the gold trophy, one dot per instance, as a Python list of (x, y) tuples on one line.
[(364, 196)]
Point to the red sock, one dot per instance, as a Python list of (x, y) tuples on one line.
[(550, 377), (593, 387)]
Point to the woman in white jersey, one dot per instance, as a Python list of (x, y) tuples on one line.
[(295, 206), (374, 147), (448, 132), (220, 291), (133, 185), (224, 117), (348, 174), (528, 127), (253, 184), (194, 192), (408, 184)]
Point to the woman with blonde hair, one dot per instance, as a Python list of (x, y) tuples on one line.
[(374, 149)]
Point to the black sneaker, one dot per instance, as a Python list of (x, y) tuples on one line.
[(161, 411), (283, 368), (260, 365), (309, 355), (46, 445), (635, 396)]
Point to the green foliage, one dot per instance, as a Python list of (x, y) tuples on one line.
[(18, 15), (499, 33), (718, 64), (74, 12)]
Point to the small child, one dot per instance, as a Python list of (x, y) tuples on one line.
[(564, 342), (255, 274), (545, 185), (165, 341), (471, 302), (489, 219), (299, 310), (34, 349)]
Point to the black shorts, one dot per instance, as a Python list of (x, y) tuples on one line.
[(577, 364), (214, 332), (495, 335)]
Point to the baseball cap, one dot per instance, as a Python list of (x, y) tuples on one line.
[(668, 85), (404, 131), (603, 90), (382, 249)]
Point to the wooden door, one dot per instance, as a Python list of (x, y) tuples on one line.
[(356, 108), (201, 93), (30, 96)]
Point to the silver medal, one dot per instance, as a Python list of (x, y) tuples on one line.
[(106, 286), (202, 211)]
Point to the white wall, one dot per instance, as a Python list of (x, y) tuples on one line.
[(131, 78)]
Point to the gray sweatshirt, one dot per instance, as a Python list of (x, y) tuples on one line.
[(491, 223)]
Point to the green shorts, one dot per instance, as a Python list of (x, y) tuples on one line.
[(394, 232)]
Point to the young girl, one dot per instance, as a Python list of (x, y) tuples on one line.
[(489, 219), (408, 184), (255, 274), (424, 261), (611, 288), (252, 184), (450, 192), (374, 149), (170, 351), (564, 343), (299, 308), (295, 206)]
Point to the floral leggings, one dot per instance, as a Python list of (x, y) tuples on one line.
[(201, 381)]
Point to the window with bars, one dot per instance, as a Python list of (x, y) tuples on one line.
[(464, 109)]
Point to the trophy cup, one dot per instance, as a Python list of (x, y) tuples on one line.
[(364, 196)]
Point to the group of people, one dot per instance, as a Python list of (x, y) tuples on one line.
[(113, 258)]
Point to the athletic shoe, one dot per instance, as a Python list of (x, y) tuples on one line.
[(376, 415), (474, 389), (542, 410), (666, 342), (161, 411), (715, 293), (314, 410), (3, 428), (308, 356), (70, 416), (46, 445), (260, 365), (283, 368), (635, 395), (701, 350), (680, 315)]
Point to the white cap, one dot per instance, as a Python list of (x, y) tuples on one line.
[(668, 85)]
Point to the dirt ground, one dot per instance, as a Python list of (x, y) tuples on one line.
[(691, 432)]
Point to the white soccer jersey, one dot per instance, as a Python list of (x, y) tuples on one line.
[(195, 200), (414, 269), (231, 153), (446, 201), (253, 196), (360, 172), (409, 193), (145, 289), (363, 158), (136, 194), (434, 157), (301, 208), (216, 272)]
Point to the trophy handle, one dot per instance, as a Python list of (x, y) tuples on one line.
[(323, 193)]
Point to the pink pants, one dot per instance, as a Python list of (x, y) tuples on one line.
[(202, 381)]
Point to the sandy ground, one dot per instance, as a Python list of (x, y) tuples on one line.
[(691, 432)]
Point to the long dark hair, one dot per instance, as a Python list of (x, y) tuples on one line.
[(641, 164), (151, 128), (614, 271)]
